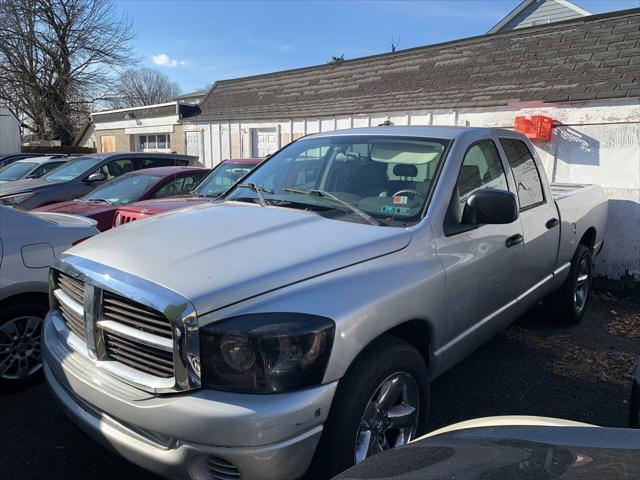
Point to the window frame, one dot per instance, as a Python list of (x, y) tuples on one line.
[(544, 200), (449, 228)]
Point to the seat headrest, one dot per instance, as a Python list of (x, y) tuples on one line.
[(373, 173), (405, 170)]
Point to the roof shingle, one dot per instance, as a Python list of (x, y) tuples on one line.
[(592, 57)]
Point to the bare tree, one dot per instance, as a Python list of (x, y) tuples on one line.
[(57, 59), (142, 86)]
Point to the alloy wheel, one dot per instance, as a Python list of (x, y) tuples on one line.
[(390, 418), (583, 285), (20, 351)]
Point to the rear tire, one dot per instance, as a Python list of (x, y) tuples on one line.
[(388, 365), (568, 304), (20, 344)]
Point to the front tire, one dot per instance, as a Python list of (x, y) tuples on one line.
[(20, 347), (568, 304), (382, 402)]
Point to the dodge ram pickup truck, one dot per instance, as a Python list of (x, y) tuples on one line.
[(300, 325)]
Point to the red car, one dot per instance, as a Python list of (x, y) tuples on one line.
[(219, 180), (101, 204)]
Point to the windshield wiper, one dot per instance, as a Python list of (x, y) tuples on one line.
[(321, 193), (258, 189)]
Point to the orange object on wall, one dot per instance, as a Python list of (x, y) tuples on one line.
[(536, 127)]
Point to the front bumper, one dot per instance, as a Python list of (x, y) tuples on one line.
[(192, 435)]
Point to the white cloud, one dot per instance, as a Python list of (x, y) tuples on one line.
[(164, 60)]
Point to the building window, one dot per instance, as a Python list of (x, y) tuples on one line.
[(158, 141)]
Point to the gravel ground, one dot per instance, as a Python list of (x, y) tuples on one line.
[(532, 368)]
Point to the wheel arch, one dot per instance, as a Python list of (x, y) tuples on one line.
[(589, 238), (26, 298)]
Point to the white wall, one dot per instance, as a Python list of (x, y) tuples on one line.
[(596, 142), (9, 132)]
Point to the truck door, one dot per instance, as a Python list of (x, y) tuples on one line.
[(480, 262), (540, 223)]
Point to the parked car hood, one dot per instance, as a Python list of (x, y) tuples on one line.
[(219, 254), (163, 204), (510, 452), (78, 207), (26, 185)]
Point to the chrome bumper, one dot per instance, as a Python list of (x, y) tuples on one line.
[(182, 435)]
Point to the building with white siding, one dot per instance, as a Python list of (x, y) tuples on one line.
[(9, 132), (584, 73)]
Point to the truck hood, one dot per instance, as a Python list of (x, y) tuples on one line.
[(159, 205), (78, 207), (26, 185), (219, 254)]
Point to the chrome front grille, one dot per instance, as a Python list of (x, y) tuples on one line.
[(151, 342), (220, 469), (139, 356), (70, 296), (136, 335), (136, 315)]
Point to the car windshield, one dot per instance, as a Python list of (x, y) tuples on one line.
[(72, 169), (384, 177), (16, 170), (222, 177), (124, 189)]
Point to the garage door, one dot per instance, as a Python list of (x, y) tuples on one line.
[(264, 142)]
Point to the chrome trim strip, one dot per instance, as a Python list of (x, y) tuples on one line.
[(562, 268), (68, 337), (90, 315), (469, 331), (534, 288), (176, 308), (135, 377), (136, 335), (69, 302)]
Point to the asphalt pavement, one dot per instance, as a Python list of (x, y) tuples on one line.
[(534, 367)]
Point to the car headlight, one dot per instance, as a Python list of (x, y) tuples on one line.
[(266, 352), (14, 200)]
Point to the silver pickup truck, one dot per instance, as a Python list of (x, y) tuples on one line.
[(297, 323)]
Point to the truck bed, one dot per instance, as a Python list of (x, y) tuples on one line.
[(580, 207), (563, 190)]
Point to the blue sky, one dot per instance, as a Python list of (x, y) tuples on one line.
[(198, 42)]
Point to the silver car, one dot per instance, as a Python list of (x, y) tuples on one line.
[(298, 322), (29, 244)]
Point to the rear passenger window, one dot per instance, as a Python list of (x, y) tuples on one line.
[(481, 168), (525, 172)]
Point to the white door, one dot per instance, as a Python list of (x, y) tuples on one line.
[(264, 141), (194, 144)]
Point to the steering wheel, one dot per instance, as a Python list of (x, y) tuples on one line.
[(408, 190)]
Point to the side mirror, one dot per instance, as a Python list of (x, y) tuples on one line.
[(490, 206), (96, 177)]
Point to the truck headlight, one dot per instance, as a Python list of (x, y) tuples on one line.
[(14, 200), (266, 352)]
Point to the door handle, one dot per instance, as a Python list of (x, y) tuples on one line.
[(514, 240), (552, 222)]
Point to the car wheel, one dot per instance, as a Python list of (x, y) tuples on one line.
[(381, 403), (20, 349), (568, 304)]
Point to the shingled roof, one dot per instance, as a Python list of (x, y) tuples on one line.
[(594, 57)]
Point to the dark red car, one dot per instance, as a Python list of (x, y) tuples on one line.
[(223, 176), (152, 183)]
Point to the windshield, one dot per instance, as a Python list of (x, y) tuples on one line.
[(72, 169), (16, 170), (222, 177), (124, 189), (388, 178)]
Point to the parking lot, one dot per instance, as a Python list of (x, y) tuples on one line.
[(532, 368)]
